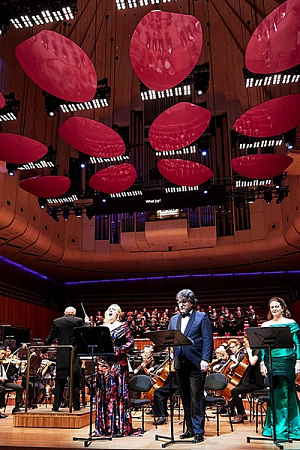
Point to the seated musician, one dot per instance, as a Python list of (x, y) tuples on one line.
[(220, 359), (252, 381), (36, 389), (7, 382), (148, 364), (162, 392)]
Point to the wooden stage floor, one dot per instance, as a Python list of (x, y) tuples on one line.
[(18, 438)]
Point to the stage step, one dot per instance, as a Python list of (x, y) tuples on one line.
[(45, 418)]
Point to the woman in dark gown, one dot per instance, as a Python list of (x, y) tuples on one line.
[(285, 367), (113, 409)]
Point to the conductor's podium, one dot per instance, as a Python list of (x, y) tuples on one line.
[(44, 417)]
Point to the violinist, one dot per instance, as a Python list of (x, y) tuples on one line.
[(253, 380), (6, 382), (147, 365)]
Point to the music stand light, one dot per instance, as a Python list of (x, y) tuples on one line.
[(169, 338), (93, 341), (269, 338)]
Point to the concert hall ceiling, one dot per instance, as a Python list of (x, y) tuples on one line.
[(141, 209)]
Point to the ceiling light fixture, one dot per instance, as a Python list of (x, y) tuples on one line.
[(27, 13), (11, 169), (258, 79), (100, 100), (199, 78), (123, 4), (42, 202)]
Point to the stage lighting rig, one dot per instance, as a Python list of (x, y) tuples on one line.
[(27, 13), (261, 79), (123, 4), (198, 79)]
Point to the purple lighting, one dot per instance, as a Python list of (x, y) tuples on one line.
[(2, 258)]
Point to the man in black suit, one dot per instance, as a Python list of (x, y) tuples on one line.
[(62, 330), (191, 362)]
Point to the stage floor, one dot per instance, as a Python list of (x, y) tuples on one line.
[(18, 438)]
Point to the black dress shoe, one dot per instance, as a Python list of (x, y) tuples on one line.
[(16, 410), (186, 435), (3, 416), (54, 409), (198, 438), (160, 421)]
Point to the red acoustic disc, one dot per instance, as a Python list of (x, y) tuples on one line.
[(2, 101), (58, 65), (164, 48), (178, 126), (46, 187), (91, 137), (261, 166), (114, 179), (270, 118), (275, 45), (184, 173), (18, 149)]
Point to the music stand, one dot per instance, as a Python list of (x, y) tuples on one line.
[(93, 341), (269, 338), (169, 338)]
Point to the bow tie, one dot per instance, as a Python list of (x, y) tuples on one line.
[(185, 314)]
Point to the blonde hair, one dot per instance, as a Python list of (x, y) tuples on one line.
[(119, 312)]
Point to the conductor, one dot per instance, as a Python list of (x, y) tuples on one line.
[(62, 330)]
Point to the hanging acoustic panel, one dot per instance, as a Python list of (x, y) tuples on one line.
[(2, 101), (46, 187), (164, 48), (261, 166), (275, 45), (91, 137), (114, 179), (58, 65), (271, 118), (178, 126), (184, 173), (18, 149)]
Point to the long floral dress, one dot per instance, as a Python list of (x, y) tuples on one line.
[(113, 409), (286, 403)]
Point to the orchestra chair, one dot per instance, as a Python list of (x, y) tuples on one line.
[(140, 384), (258, 399), (216, 382), (8, 391)]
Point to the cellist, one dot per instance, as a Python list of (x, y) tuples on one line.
[(252, 380)]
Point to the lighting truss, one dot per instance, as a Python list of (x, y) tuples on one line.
[(58, 200), (97, 159), (37, 165), (183, 151), (198, 79), (100, 100), (176, 189), (248, 142), (258, 79), (27, 13), (123, 4), (252, 183), (11, 109)]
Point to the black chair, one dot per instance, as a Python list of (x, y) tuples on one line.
[(8, 391), (216, 382), (260, 397), (140, 383)]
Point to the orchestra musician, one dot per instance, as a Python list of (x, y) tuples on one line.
[(252, 380), (7, 382), (221, 357), (191, 362)]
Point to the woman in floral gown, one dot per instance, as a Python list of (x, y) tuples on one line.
[(113, 409)]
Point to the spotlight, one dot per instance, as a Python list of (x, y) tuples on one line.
[(66, 212), (277, 181), (204, 152), (205, 187), (42, 202), (289, 139), (251, 198), (90, 212), (268, 196), (83, 159), (51, 104), (53, 214), (11, 169), (78, 212)]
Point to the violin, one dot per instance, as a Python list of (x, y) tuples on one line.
[(143, 365)]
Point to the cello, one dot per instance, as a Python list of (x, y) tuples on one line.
[(159, 378), (237, 376)]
